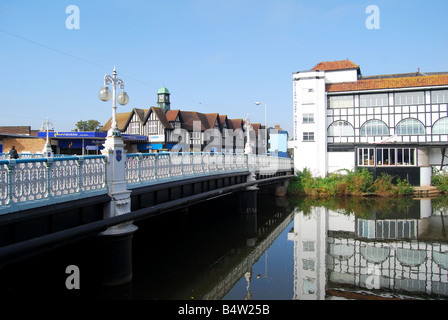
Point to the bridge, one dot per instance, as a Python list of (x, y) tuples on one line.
[(50, 202)]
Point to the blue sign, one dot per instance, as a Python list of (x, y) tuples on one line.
[(87, 134), (72, 134), (134, 137), (118, 155)]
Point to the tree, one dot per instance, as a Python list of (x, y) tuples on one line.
[(89, 125)]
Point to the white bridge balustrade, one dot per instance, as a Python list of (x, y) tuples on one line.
[(34, 182), (150, 168)]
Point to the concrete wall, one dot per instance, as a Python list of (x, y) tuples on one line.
[(340, 160)]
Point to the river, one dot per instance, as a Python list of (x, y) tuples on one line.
[(292, 249)]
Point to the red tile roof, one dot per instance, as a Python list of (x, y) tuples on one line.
[(390, 83), (171, 115), (335, 65), (236, 124)]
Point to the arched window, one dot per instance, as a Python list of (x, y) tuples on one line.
[(374, 128), (441, 126), (410, 127), (341, 129)]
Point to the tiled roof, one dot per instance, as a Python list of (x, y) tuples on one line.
[(189, 117), (236, 123), (211, 119), (390, 83), (171, 115), (141, 113), (161, 115), (122, 121), (256, 127), (335, 65), (223, 119)]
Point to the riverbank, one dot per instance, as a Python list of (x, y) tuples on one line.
[(349, 183)]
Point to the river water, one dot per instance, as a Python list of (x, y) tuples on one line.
[(292, 249)]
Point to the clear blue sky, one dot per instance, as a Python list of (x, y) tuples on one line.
[(213, 55)]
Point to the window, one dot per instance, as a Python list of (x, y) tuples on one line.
[(374, 100), (308, 264), (439, 96), (386, 157), (135, 128), (408, 98), (308, 136), (308, 246), (309, 286), (152, 127), (410, 127), (366, 157), (341, 102), (308, 117), (441, 126), (340, 129), (374, 128)]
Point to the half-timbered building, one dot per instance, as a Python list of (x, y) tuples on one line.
[(396, 123)]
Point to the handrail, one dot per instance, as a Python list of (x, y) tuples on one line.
[(33, 182)]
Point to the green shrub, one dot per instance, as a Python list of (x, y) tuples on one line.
[(384, 184), (346, 183), (404, 187), (439, 179)]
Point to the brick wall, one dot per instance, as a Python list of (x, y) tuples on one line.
[(24, 144), (15, 129)]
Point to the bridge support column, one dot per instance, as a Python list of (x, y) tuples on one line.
[(116, 248), (281, 189), (117, 240), (248, 200)]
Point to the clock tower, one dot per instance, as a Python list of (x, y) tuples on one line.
[(163, 99)]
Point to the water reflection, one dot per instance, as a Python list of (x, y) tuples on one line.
[(291, 249), (370, 248)]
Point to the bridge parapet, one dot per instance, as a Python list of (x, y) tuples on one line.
[(147, 168), (154, 167), (34, 182)]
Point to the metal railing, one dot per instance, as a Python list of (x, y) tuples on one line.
[(150, 168), (154, 167), (27, 183), (33, 182)]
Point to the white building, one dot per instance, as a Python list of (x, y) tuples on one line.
[(394, 123)]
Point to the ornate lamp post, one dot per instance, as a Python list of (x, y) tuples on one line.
[(104, 94), (117, 239), (47, 151)]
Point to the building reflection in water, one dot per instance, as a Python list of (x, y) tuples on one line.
[(401, 254)]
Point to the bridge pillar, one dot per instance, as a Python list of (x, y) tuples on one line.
[(116, 245), (281, 189), (248, 200), (117, 240)]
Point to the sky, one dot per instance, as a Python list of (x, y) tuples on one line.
[(213, 55)]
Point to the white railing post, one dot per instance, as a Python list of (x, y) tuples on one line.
[(11, 180)]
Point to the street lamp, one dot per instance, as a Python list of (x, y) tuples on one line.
[(104, 94), (265, 122), (47, 125)]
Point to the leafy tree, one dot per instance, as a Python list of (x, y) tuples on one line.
[(89, 125)]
